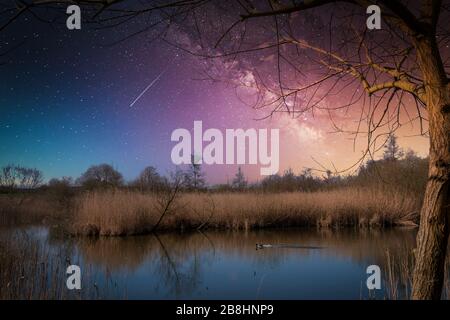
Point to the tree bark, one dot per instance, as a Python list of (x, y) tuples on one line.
[(433, 232)]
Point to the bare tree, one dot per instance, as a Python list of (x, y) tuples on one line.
[(29, 178), (12, 176), (403, 67), (8, 177), (166, 202)]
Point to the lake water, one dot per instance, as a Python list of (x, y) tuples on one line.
[(226, 265)]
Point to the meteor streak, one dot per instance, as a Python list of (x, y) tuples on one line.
[(148, 87)]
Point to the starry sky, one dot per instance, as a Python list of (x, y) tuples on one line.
[(65, 105)]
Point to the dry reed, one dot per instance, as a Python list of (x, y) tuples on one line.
[(127, 213)]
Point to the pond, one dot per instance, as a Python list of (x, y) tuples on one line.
[(310, 264)]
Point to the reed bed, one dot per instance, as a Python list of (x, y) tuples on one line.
[(119, 213), (29, 270), (33, 269), (398, 275), (28, 209)]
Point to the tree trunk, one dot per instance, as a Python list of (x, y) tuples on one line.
[(433, 232)]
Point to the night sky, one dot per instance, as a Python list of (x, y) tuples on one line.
[(65, 105)]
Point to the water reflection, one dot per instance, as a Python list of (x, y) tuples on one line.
[(215, 265)]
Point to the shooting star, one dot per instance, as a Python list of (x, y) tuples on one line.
[(148, 87)]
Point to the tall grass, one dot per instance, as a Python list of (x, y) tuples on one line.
[(399, 270), (127, 213), (32, 268), (29, 270)]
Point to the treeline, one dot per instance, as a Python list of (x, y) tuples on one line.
[(102, 176), (408, 173), (14, 176), (398, 169)]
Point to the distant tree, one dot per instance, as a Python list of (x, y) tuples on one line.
[(194, 177), (53, 182), (271, 183), (411, 155), (239, 181), (408, 173), (8, 176), (392, 150), (12, 176), (103, 175), (63, 182), (149, 179), (328, 175), (289, 180), (29, 178), (307, 182), (306, 173)]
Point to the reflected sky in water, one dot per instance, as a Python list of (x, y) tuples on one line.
[(226, 265)]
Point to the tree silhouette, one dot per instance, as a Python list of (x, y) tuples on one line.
[(100, 176), (13, 176), (150, 180), (194, 177), (239, 181), (392, 150)]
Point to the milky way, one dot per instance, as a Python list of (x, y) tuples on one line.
[(65, 104)]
